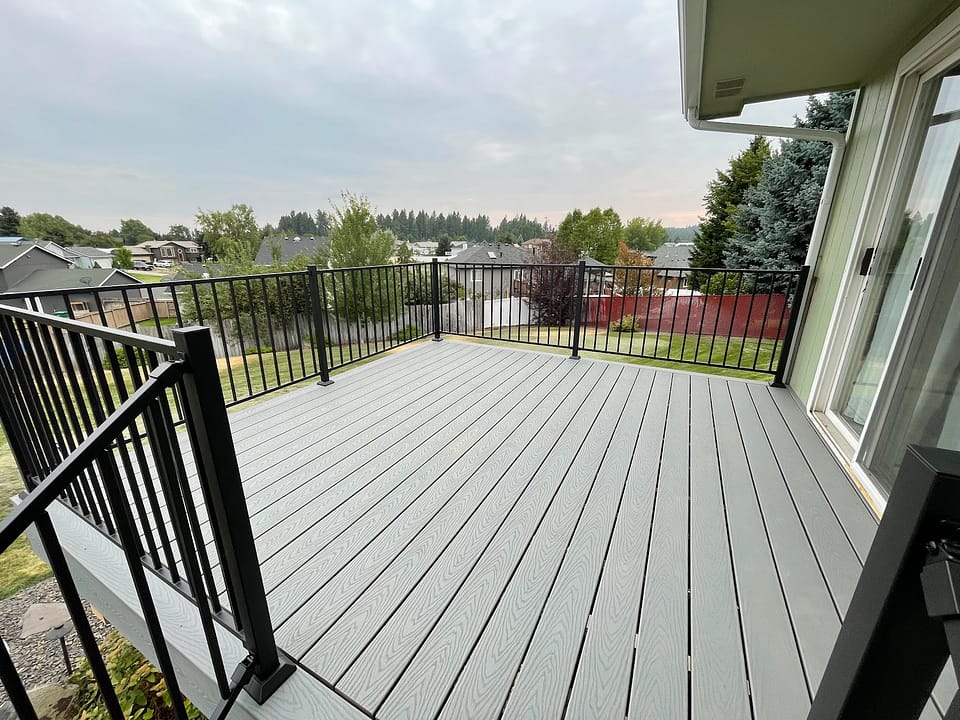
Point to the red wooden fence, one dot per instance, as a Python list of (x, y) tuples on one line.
[(753, 316)]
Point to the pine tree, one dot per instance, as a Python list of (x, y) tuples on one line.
[(724, 196), (9, 222), (775, 221)]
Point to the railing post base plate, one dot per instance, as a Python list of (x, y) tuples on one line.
[(438, 339), (778, 384), (324, 383), (260, 689)]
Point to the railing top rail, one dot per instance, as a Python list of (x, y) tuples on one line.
[(123, 337), (598, 268)]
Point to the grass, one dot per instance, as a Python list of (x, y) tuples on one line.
[(674, 354), (146, 277), (19, 567)]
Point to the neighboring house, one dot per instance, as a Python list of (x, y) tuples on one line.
[(89, 257), (536, 246), (876, 361), (73, 279), (173, 250), (490, 281), (670, 260), (289, 248), (19, 261), (33, 267)]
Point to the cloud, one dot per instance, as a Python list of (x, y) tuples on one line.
[(152, 108)]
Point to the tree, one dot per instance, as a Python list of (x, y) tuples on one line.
[(297, 223), (553, 287), (596, 234), (724, 195), (322, 222), (444, 244), (9, 222), (355, 241), (98, 239), (632, 282), (178, 233), (53, 228), (134, 232), (232, 235), (643, 234), (775, 221), (123, 258), (404, 253)]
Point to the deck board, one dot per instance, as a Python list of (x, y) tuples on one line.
[(661, 659), (465, 530), (718, 676)]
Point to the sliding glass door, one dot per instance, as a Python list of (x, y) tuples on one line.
[(918, 219)]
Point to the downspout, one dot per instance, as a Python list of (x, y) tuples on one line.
[(837, 140)]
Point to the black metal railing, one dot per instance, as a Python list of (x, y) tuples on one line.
[(91, 415), (727, 318), (270, 330), (903, 621)]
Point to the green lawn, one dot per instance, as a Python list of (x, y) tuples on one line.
[(19, 567), (666, 353)]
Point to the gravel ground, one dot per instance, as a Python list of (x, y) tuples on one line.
[(39, 660)]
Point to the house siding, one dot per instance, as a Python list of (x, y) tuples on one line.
[(841, 228)]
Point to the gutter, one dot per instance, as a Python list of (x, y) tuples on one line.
[(836, 139)]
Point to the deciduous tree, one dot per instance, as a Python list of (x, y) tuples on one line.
[(43, 226), (595, 233), (123, 258), (134, 232), (643, 234), (629, 281), (232, 235)]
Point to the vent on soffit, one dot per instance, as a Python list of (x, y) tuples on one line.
[(729, 88)]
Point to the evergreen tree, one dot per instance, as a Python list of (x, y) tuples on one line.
[(9, 222), (776, 218), (724, 195)]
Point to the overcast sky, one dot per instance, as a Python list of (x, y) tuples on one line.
[(155, 108)]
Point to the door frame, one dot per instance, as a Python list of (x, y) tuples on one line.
[(897, 144)]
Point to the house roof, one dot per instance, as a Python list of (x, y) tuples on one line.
[(503, 254), (90, 252), (288, 248), (592, 262), (10, 252), (40, 280), (672, 255), (12, 239), (742, 51)]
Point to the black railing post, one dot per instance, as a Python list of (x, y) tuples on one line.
[(435, 298), (901, 621), (227, 507), (319, 337), (791, 327), (578, 309)]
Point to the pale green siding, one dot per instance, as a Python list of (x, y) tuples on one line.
[(841, 226)]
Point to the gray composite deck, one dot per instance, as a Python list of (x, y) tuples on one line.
[(470, 531)]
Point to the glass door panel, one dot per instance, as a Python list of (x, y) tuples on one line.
[(898, 258)]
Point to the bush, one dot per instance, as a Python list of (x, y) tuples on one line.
[(627, 323), (717, 286), (408, 332), (262, 350), (140, 687)]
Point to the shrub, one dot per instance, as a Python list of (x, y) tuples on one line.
[(408, 332), (262, 350), (627, 323), (717, 286), (140, 687)]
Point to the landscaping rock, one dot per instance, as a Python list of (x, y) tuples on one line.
[(51, 702), (39, 660)]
